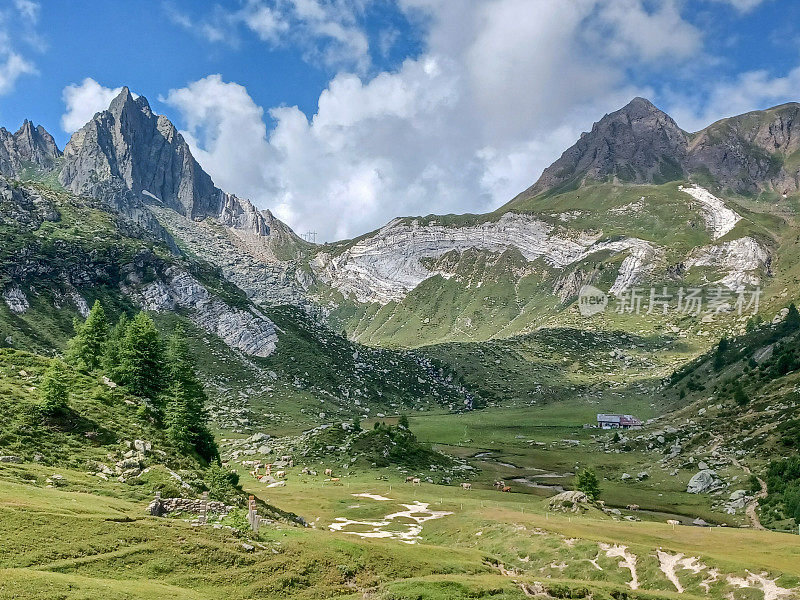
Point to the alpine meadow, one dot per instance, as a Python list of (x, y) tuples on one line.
[(233, 366)]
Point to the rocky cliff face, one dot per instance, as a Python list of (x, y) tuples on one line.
[(131, 157), (129, 144), (29, 147), (636, 144), (384, 267), (752, 152)]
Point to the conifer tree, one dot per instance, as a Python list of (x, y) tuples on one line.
[(141, 358), (53, 391), (587, 482), (85, 351), (111, 358), (185, 413)]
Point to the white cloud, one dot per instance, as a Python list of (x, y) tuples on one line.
[(12, 67), (83, 100), (503, 87), (751, 90), (327, 31), (743, 6), (28, 9), (226, 131), (18, 23)]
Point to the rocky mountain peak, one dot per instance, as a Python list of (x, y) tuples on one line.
[(128, 147), (131, 157), (636, 144), (30, 147)]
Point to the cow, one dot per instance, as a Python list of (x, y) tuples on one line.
[(280, 474), (507, 488), (633, 507), (466, 486), (416, 481), (410, 479), (304, 471), (673, 522), (328, 472), (334, 479), (499, 484)]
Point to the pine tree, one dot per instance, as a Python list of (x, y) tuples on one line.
[(739, 395), (403, 422), (792, 322), (111, 358), (85, 351), (587, 482), (185, 408), (141, 358), (719, 357), (53, 391)]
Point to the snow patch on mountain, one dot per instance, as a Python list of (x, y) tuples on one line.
[(387, 265), (719, 218)]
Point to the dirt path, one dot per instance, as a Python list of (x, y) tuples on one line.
[(752, 507)]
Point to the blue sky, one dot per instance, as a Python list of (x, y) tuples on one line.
[(341, 114)]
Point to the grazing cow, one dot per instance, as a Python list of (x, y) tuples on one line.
[(280, 474), (304, 471), (673, 522), (466, 486), (416, 481), (334, 480), (507, 488), (633, 507), (499, 484), (410, 479), (328, 472)]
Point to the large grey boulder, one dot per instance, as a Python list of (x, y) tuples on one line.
[(703, 482), (572, 501)]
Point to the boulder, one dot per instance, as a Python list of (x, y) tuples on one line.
[(570, 501), (10, 459), (142, 446), (703, 482)]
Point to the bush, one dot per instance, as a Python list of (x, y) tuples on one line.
[(222, 484)]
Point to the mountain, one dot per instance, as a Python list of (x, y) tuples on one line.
[(29, 148), (635, 202), (636, 144), (751, 153), (130, 152), (748, 154)]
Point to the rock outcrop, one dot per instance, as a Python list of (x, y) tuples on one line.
[(30, 147), (703, 482), (246, 330), (385, 266)]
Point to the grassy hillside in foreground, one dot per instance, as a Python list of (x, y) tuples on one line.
[(65, 544)]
